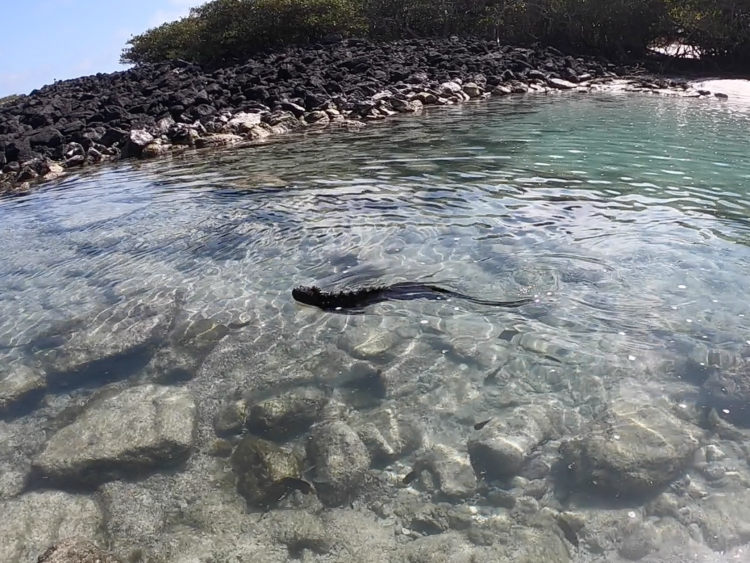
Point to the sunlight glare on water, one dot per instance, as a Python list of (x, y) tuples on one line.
[(624, 218)]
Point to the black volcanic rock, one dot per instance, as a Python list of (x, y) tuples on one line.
[(48, 136), (350, 79)]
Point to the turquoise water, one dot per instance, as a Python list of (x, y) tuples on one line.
[(624, 217)]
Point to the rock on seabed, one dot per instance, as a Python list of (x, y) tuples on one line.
[(19, 383), (34, 521), (135, 431), (635, 452), (114, 340), (76, 550), (341, 461)]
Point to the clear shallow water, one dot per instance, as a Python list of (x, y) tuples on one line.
[(625, 217), (602, 206)]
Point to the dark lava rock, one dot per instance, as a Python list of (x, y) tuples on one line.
[(339, 75), (46, 136)]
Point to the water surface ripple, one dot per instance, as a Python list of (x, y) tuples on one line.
[(626, 218)]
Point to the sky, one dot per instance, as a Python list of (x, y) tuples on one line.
[(47, 40)]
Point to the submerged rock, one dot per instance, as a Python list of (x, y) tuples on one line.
[(517, 545), (500, 448), (114, 343), (277, 417), (76, 550), (341, 462), (20, 441), (231, 417), (721, 518), (388, 434), (19, 384), (261, 468), (187, 346), (287, 414), (336, 535), (34, 521), (169, 366), (452, 472), (634, 452), (135, 431), (368, 344), (300, 531), (727, 389)]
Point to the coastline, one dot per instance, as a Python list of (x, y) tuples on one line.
[(158, 109)]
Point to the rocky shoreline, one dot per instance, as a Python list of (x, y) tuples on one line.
[(157, 109), (153, 428)]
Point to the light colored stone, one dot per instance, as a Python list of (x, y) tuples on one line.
[(348, 124), (389, 435), (561, 84), (450, 87), (19, 383), (131, 432), (54, 170), (452, 471), (406, 106), (243, 122), (426, 98), (102, 343), (341, 461), (501, 90), (76, 550), (317, 117), (164, 124), (638, 449), (140, 138), (35, 521), (499, 450), (20, 439), (368, 343), (257, 133), (217, 140), (155, 149), (472, 90)]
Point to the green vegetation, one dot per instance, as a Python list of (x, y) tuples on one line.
[(223, 30)]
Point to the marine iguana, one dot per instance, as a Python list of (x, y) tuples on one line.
[(355, 301)]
